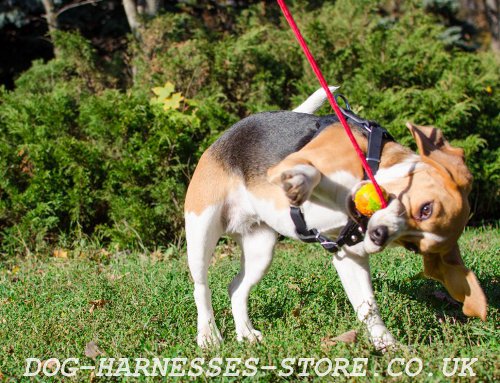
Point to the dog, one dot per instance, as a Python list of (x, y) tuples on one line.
[(245, 183)]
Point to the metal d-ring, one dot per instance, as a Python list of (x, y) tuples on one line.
[(347, 112), (343, 98)]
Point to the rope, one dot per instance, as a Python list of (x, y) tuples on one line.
[(331, 99)]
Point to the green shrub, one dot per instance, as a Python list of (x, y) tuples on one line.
[(80, 163), (247, 71)]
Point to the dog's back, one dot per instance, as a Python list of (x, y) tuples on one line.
[(244, 152), (258, 142)]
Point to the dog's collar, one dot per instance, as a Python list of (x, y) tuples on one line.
[(353, 232)]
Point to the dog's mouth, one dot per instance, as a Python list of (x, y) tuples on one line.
[(353, 213), (383, 228), (351, 208), (409, 246)]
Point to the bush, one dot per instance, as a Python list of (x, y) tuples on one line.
[(248, 71), (80, 163)]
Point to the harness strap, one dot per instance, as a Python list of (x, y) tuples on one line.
[(375, 139), (313, 235), (351, 234)]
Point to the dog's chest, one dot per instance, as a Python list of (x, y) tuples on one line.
[(324, 211)]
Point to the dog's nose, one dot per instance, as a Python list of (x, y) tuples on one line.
[(379, 235)]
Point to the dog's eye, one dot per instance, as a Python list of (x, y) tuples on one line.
[(425, 211)]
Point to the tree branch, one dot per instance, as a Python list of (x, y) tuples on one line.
[(75, 5)]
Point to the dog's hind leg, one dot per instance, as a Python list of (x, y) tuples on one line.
[(257, 253), (202, 233)]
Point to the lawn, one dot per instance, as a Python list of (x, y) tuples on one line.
[(140, 305)]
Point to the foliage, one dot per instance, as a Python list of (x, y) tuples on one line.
[(81, 159), (79, 162), (166, 97), (248, 70)]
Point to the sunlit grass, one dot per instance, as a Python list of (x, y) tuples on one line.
[(137, 305)]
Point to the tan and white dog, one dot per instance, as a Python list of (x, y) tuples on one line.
[(246, 181)]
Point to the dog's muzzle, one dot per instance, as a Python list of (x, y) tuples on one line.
[(385, 226)]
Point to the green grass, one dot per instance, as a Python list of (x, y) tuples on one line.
[(45, 311)]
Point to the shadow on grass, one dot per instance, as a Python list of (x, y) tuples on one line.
[(435, 294)]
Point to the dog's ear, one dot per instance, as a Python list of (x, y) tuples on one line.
[(460, 282), (434, 149)]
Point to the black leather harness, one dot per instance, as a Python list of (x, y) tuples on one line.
[(353, 232)]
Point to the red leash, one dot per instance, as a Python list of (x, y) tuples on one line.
[(331, 99)]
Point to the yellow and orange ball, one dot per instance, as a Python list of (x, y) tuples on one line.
[(367, 201)]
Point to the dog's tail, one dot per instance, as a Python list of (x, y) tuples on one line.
[(314, 102)]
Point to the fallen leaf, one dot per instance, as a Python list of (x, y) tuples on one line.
[(347, 337), (15, 270), (49, 364), (104, 253), (97, 304), (60, 253), (162, 343), (223, 251), (114, 277), (293, 286), (92, 351)]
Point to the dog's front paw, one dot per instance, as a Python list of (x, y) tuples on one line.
[(251, 335), (296, 186), (208, 337)]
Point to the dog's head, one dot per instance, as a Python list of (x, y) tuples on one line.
[(427, 213)]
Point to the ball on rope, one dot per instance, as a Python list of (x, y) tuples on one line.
[(367, 201)]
